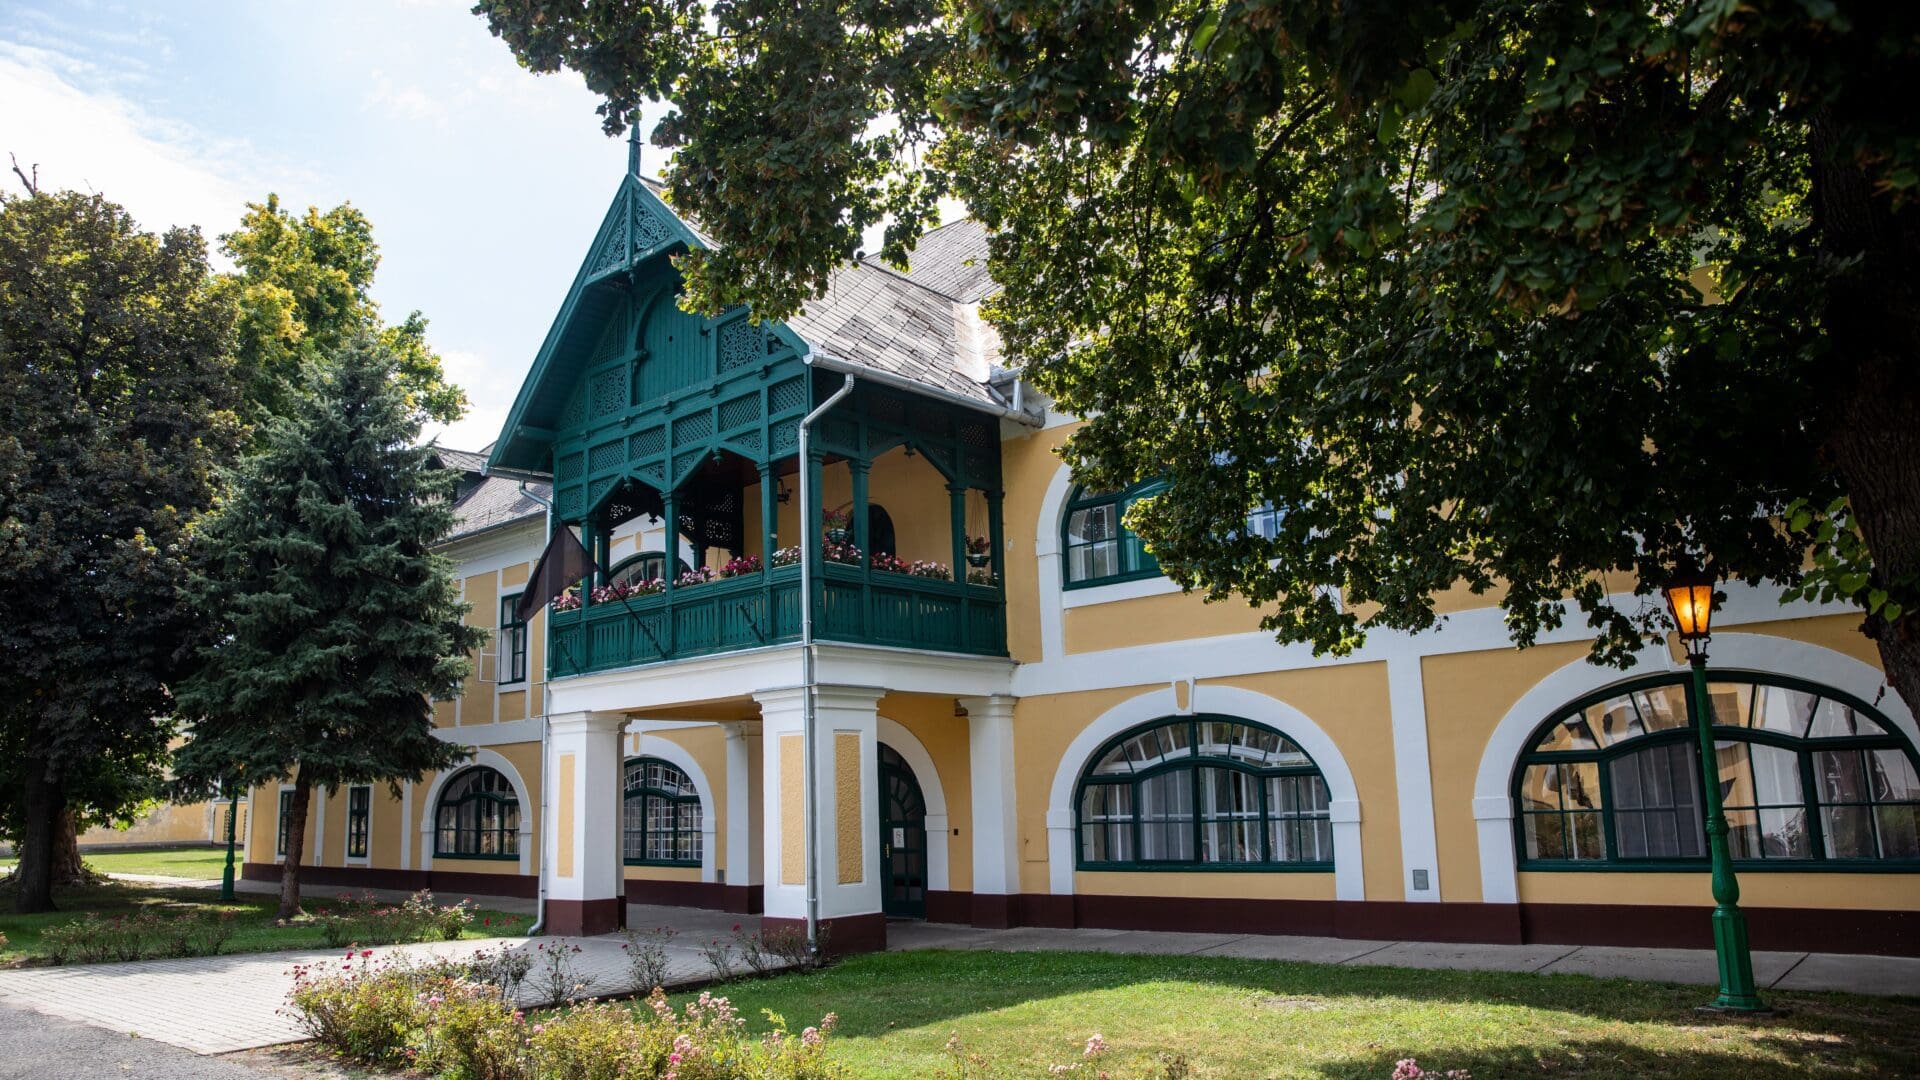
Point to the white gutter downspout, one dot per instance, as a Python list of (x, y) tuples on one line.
[(546, 733), (807, 719)]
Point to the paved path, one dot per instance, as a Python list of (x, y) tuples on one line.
[(215, 1005), (45, 1048), (1773, 970)]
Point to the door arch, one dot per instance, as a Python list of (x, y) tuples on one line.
[(903, 838)]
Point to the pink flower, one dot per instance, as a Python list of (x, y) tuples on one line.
[(1096, 1046), (811, 1036), (1408, 1069)]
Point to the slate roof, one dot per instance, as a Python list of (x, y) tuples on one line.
[(487, 502), (921, 324)]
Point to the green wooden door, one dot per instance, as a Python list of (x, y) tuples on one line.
[(903, 839)]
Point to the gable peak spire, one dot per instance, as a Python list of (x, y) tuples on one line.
[(633, 145)]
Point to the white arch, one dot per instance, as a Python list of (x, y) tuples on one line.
[(908, 746), (1731, 653), (1349, 881), (1046, 550), (492, 760), (653, 746)]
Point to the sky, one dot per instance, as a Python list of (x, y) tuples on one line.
[(484, 182)]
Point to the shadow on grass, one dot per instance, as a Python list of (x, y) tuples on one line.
[(1358, 1020)]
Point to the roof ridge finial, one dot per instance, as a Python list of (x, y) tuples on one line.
[(633, 145)]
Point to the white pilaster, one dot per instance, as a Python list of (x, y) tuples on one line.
[(996, 823), (584, 764), (1413, 774), (744, 840), (840, 711)]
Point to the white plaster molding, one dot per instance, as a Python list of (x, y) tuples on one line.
[(1348, 870), (1732, 653), (492, 760), (1119, 590), (908, 746), (1413, 777), (996, 823), (673, 753), (501, 734)]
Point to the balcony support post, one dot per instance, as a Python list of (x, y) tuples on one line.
[(669, 559), (957, 499), (769, 541), (857, 469)]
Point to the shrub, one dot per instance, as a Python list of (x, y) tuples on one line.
[(358, 1008), (556, 978), (91, 939), (364, 920), (719, 954), (469, 1031), (646, 953)]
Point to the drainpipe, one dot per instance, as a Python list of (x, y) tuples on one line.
[(807, 542), (546, 733)]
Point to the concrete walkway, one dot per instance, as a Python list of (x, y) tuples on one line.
[(1882, 975), (220, 1004)]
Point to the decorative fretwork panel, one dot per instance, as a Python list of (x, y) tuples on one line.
[(570, 468), (606, 456), (647, 443), (692, 428), (788, 394), (739, 411), (649, 229), (608, 392), (741, 343)]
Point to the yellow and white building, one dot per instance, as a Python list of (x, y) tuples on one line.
[(1016, 719)]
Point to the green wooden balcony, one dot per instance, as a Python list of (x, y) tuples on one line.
[(855, 604)]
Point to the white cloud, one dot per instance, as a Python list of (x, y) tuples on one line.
[(163, 173), (490, 395)]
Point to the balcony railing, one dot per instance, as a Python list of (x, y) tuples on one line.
[(753, 610)]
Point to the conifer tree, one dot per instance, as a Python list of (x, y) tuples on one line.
[(339, 622)]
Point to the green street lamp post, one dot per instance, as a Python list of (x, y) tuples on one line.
[(1690, 601), (233, 810)]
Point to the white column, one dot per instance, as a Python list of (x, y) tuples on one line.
[(847, 790), (743, 826), (1493, 819), (583, 827), (996, 822)]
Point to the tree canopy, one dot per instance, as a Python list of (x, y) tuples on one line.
[(117, 401), (337, 621), (1532, 299), (303, 289)]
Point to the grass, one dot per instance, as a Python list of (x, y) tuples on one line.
[(1252, 1018), (204, 863), (257, 932)]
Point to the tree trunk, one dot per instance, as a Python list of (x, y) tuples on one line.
[(1872, 426), (68, 867), (296, 843), (45, 801)]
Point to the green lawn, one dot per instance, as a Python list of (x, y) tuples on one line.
[(257, 932), (194, 862), (1251, 1018)]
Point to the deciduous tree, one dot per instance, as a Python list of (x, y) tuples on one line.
[(337, 620), (1519, 297), (302, 285), (116, 399)]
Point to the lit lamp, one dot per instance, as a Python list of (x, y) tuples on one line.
[(1690, 599)]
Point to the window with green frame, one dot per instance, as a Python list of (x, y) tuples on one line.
[(282, 835), (1203, 792), (359, 820), (478, 817), (513, 642), (1809, 777), (646, 566), (1097, 547), (661, 815)]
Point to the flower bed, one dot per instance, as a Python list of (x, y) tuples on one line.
[(460, 1019), (917, 568), (95, 939), (364, 920)]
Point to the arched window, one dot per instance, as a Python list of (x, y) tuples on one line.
[(662, 815), (1206, 791), (880, 537), (645, 566), (1809, 777), (1099, 550), (478, 817)]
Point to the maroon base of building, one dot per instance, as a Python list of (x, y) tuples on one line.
[(1894, 933), (842, 936), (367, 877)]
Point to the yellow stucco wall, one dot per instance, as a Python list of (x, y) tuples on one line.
[(930, 719), (793, 825), (850, 806)]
